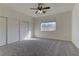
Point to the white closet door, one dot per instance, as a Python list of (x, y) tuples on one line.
[(24, 31), (13, 30), (2, 31)]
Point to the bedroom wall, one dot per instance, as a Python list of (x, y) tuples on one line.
[(75, 25), (14, 18), (63, 26)]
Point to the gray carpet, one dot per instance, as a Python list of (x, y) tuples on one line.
[(40, 47)]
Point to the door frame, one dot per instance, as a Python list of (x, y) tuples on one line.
[(6, 19), (20, 23)]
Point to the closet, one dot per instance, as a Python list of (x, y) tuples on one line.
[(13, 31)]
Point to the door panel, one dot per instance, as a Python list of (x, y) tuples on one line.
[(13, 30), (2, 31), (24, 30)]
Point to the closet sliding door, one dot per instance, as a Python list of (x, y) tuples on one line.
[(3, 31)]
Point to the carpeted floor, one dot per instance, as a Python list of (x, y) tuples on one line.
[(39, 47)]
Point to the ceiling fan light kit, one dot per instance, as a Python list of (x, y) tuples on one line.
[(40, 11)]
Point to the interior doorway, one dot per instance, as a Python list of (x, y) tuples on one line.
[(25, 33)]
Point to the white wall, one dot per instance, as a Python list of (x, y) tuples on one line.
[(75, 25), (13, 22), (63, 28)]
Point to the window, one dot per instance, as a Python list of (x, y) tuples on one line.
[(48, 26)]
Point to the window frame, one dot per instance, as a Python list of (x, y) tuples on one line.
[(46, 30)]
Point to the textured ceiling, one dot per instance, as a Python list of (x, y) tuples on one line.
[(55, 8)]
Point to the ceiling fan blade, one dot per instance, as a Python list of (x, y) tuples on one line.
[(36, 12), (46, 8), (34, 8)]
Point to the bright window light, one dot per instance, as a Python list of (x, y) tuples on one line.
[(48, 26)]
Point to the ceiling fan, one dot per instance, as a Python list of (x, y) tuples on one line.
[(40, 9)]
